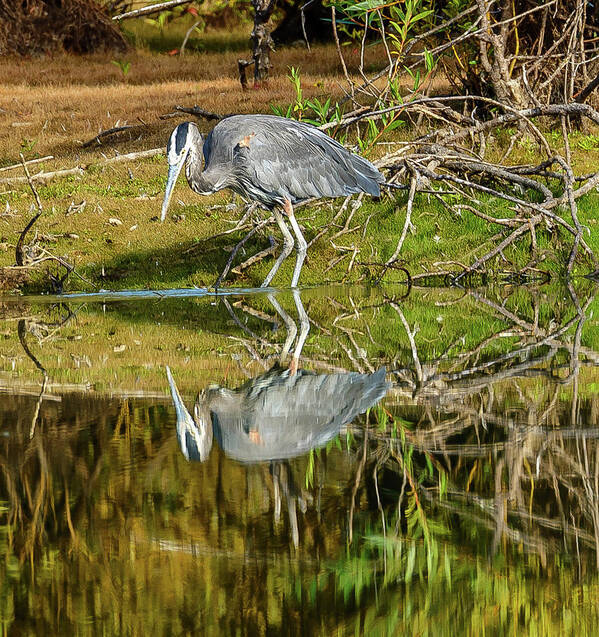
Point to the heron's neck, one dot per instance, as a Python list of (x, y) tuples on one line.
[(193, 170)]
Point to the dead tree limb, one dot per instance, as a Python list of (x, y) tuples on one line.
[(262, 44), (97, 140), (200, 112), (152, 8)]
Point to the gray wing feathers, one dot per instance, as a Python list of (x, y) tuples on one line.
[(292, 413), (291, 159)]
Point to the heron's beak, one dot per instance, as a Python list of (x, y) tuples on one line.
[(195, 435), (173, 173)]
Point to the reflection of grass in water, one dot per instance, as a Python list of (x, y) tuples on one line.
[(126, 344), (434, 571), (462, 594)]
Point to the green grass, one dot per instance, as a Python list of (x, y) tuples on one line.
[(142, 253), (144, 35)]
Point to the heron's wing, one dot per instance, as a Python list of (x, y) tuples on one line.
[(292, 414), (290, 159)]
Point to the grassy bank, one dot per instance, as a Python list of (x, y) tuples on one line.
[(104, 221)]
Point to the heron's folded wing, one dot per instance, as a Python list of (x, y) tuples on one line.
[(298, 161)]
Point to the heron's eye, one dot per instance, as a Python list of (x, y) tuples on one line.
[(180, 137)]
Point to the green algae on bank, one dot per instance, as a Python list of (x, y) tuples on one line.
[(116, 241)]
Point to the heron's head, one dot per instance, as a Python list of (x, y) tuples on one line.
[(194, 433), (185, 141)]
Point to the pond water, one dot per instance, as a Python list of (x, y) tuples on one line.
[(289, 485)]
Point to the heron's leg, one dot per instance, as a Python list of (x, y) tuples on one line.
[(304, 322), (289, 324), (300, 243), (275, 470), (287, 247)]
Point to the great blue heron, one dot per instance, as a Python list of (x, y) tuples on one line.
[(273, 160), (275, 416), (278, 415)]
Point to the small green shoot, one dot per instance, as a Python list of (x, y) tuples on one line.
[(123, 65)]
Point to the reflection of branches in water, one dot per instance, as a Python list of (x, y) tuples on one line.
[(524, 469), (477, 429), (21, 329), (35, 496), (470, 378), (43, 331)]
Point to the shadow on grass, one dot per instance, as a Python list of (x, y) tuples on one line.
[(183, 265)]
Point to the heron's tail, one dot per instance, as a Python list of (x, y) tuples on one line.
[(368, 177), (375, 388)]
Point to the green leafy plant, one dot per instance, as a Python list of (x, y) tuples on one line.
[(588, 142), (123, 65), (161, 21), (27, 145)]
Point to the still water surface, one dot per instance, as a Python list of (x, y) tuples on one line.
[(285, 483)]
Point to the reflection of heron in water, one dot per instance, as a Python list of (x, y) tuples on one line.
[(278, 415), (275, 416)]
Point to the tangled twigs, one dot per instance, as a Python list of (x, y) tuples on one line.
[(525, 227), (236, 249), (568, 181), (271, 250), (406, 225), (440, 157), (37, 254)]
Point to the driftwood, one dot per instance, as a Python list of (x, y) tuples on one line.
[(79, 170), (149, 9)]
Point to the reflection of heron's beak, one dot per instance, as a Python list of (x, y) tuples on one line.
[(173, 173), (195, 435)]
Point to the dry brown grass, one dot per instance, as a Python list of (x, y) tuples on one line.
[(56, 103)]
